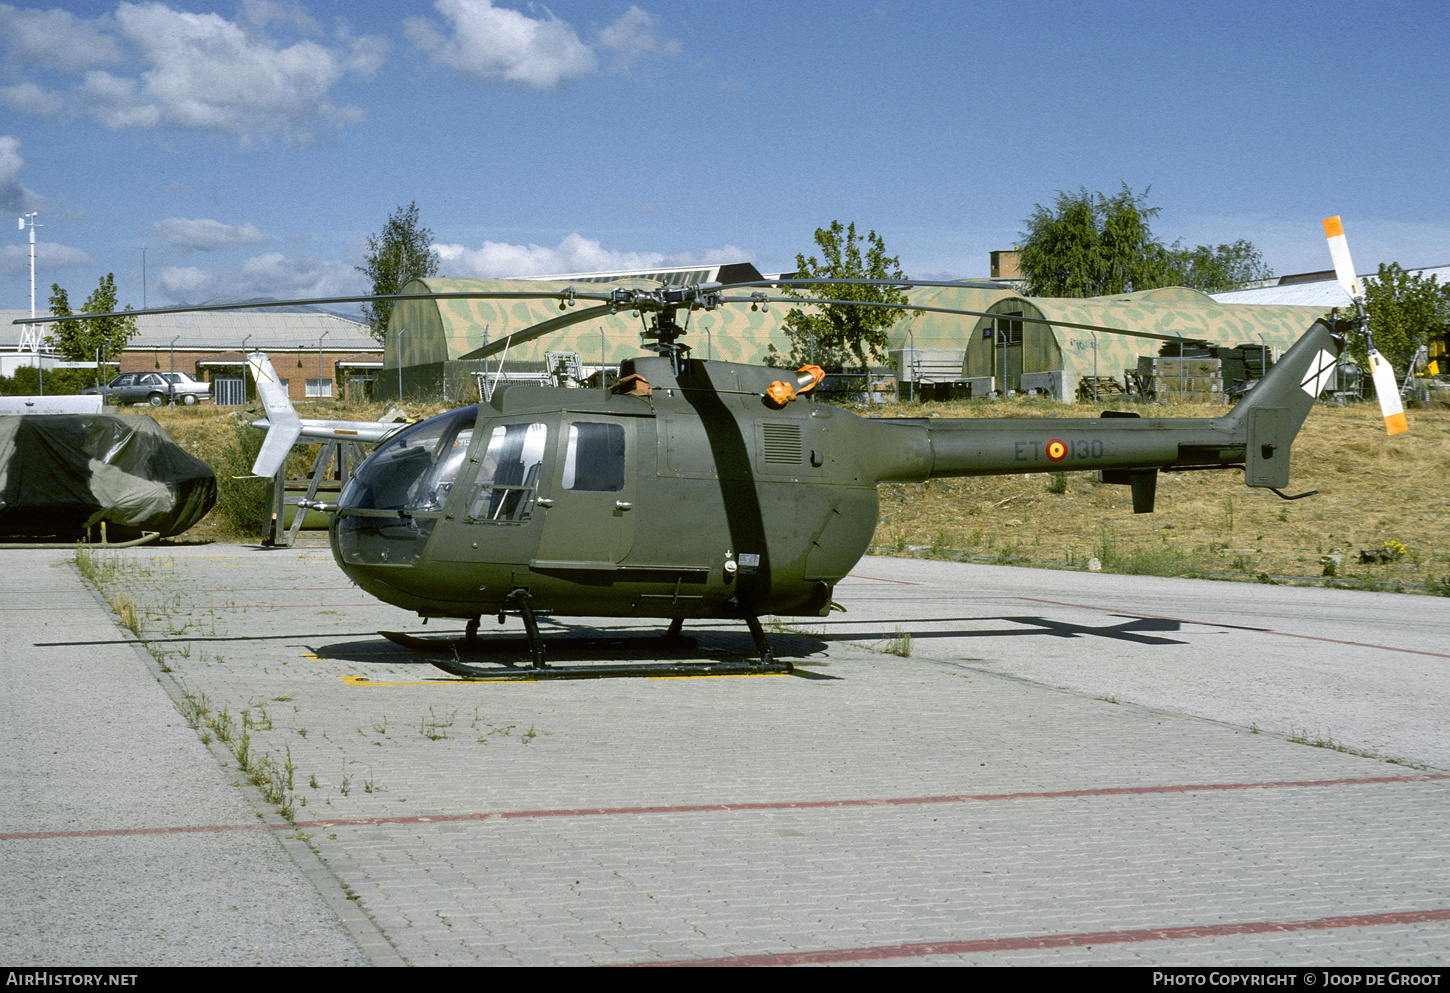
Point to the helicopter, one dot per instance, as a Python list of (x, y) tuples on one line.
[(700, 489)]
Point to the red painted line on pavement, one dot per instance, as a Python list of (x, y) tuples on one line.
[(707, 808), (878, 579), (125, 832), (1082, 940)]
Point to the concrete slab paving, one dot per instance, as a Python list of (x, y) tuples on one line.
[(110, 851), (1067, 769)]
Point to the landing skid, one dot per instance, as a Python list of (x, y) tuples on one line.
[(471, 645), (611, 670)]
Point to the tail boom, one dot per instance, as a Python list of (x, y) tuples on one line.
[(1123, 448)]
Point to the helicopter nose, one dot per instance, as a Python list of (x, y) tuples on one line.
[(365, 540), (388, 510)]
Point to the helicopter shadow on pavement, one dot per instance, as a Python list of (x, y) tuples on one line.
[(1139, 630)]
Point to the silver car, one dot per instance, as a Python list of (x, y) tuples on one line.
[(155, 388)]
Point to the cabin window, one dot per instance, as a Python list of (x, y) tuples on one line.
[(594, 459), (415, 469), (508, 474), (450, 455)]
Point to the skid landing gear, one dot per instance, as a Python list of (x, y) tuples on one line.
[(539, 669)]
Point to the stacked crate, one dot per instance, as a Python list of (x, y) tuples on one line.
[(1181, 380)]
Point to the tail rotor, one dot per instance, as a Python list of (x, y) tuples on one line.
[(1380, 369)]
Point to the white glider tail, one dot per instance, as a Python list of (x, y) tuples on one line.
[(284, 428), (283, 423)]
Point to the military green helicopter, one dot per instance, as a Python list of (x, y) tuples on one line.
[(699, 489)]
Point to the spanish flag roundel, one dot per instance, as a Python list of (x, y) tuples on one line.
[(1056, 450)]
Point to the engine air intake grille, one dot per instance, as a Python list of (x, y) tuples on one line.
[(782, 443)]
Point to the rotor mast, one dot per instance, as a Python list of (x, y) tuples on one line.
[(663, 334)]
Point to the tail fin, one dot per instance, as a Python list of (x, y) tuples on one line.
[(284, 423), (1272, 413)]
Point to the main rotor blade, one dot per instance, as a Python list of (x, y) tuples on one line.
[(651, 301), (537, 331), (967, 313), (566, 294), (312, 301), (903, 283)]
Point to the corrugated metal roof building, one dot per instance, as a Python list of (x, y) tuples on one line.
[(1318, 292)]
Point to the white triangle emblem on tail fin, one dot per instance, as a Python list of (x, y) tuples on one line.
[(1319, 375)]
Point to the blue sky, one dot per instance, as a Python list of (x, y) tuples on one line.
[(251, 148)]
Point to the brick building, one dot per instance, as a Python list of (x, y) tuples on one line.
[(321, 356)]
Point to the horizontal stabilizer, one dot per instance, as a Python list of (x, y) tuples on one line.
[(365, 432)]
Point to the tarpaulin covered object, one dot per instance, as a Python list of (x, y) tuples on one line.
[(63, 473)]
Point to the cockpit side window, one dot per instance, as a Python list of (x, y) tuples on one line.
[(508, 474), (594, 458)]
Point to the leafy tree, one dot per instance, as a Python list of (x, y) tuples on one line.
[(1406, 310), (60, 307), (840, 335), (401, 251), (79, 341), (1091, 244), (1215, 270), (58, 382)]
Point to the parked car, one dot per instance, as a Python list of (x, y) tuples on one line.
[(185, 389), (155, 388)]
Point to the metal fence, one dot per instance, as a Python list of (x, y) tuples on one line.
[(229, 391)]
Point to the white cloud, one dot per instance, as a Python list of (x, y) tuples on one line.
[(58, 39), (260, 13), (270, 275), (197, 72), (49, 256), (10, 160), (28, 98), (488, 43), (633, 38), (15, 198), (498, 260), (207, 235)]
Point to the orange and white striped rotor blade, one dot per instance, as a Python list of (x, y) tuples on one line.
[(1343, 265), (1389, 393)]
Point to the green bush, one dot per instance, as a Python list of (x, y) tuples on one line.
[(243, 499), (58, 382)]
